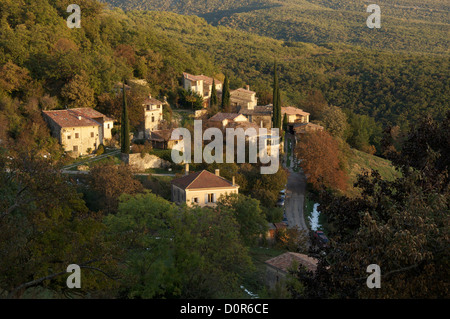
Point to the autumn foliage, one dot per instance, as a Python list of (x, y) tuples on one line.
[(320, 159)]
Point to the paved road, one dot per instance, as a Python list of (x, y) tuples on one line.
[(295, 195), (295, 198)]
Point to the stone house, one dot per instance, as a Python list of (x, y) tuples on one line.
[(243, 99), (260, 115), (222, 120), (153, 110), (80, 131), (162, 139), (201, 85), (201, 188), (278, 267)]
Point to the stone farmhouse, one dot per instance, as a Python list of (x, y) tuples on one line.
[(201, 85), (80, 131), (201, 188)]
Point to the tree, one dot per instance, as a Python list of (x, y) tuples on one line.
[(226, 103), (276, 120), (177, 252), (334, 120), (400, 225), (285, 122), (247, 212), (78, 93), (214, 101), (109, 181), (125, 125), (320, 159), (44, 227)]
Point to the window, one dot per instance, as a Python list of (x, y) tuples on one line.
[(109, 125), (77, 135), (211, 198), (75, 148), (153, 119), (195, 200), (92, 134), (69, 137)]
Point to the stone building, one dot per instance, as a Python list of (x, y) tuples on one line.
[(80, 131), (202, 85), (278, 267), (201, 188), (153, 110), (243, 99)]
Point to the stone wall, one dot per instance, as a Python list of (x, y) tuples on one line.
[(142, 163)]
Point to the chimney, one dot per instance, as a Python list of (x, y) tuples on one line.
[(79, 117), (234, 181), (217, 172), (149, 96), (186, 169), (248, 87)]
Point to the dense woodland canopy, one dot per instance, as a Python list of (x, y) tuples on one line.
[(407, 25), (45, 65)]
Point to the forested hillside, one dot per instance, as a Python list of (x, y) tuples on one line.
[(407, 25), (45, 65)]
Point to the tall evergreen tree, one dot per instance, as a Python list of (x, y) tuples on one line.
[(276, 119), (226, 95), (213, 103), (125, 127)]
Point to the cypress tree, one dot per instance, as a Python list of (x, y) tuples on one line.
[(285, 122), (276, 119), (125, 127), (226, 96), (213, 95)]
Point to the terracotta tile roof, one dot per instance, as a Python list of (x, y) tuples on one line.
[(91, 113), (219, 117), (243, 125), (258, 110), (152, 101), (162, 135), (203, 179), (293, 111), (307, 127), (284, 261), (70, 118), (242, 90), (206, 79)]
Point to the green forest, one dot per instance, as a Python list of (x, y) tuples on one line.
[(407, 26)]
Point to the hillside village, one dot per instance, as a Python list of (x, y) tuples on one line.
[(86, 134)]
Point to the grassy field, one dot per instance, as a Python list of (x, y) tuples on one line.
[(359, 161)]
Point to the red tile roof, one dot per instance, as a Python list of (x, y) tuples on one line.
[(70, 118), (203, 179), (290, 110), (90, 113), (284, 261), (206, 79), (219, 117)]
